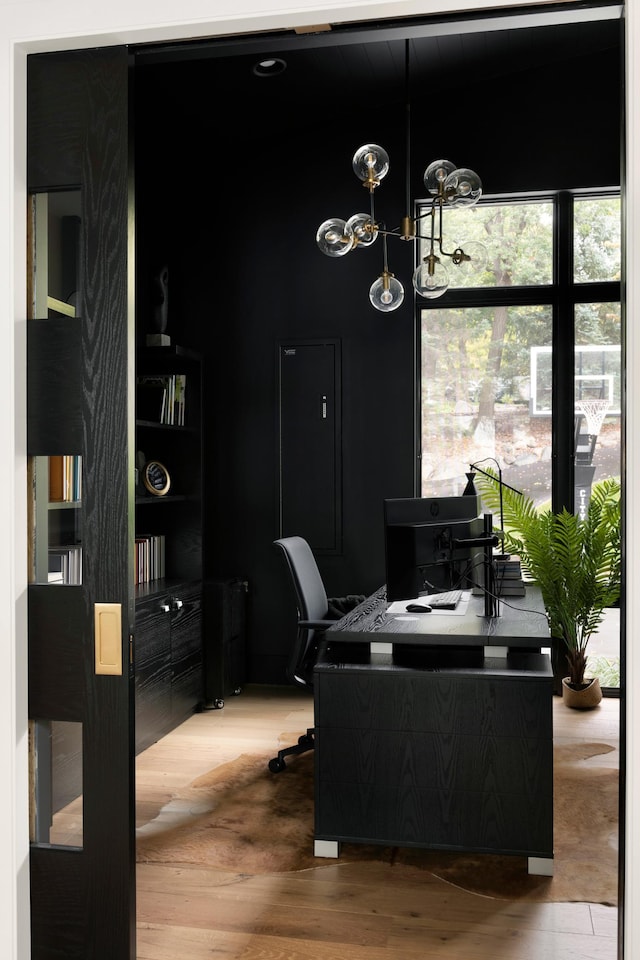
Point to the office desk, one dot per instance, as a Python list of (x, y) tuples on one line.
[(435, 744), (522, 624)]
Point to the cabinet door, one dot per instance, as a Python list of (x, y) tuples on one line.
[(152, 669), (186, 653)]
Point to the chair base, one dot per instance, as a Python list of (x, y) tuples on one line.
[(305, 742)]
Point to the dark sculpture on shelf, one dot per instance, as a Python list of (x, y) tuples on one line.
[(159, 309)]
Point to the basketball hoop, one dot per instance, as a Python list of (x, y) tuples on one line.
[(594, 412)]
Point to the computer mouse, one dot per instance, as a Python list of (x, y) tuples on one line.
[(418, 608)]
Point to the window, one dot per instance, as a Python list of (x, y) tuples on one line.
[(520, 365)]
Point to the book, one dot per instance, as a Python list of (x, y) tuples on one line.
[(511, 588), (56, 479), (149, 558), (508, 568)]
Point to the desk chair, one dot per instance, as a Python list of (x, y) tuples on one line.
[(315, 613)]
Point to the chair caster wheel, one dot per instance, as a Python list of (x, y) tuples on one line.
[(305, 740), (276, 765)]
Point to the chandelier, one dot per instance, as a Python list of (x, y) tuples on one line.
[(447, 186)]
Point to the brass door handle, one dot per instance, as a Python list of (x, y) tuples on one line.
[(108, 639)]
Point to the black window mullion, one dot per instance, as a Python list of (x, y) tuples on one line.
[(563, 359)]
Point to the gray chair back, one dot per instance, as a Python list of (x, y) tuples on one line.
[(311, 596), (312, 603)]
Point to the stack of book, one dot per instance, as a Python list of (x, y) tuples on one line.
[(65, 478), (161, 399), (149, 558), (65, 564), (509, 582)]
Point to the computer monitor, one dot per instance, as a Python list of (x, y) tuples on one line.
[(424, 544)]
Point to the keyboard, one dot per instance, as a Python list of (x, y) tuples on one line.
[(444, 601)]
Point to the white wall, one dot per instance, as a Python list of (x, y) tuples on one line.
[(32, 25)]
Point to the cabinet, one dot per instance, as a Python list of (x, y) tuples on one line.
[(168, 541), (168, 676)]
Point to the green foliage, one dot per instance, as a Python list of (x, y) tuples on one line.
[(606, 669), (466, 347), (575, 562)]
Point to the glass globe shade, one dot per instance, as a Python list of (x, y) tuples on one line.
[(386, 293), (430, 284), (334, 237), (362, 237), (463, 187), (436, 174), (370, 162)]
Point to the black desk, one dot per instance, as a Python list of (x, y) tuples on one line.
[(434, 743), (522, 623)]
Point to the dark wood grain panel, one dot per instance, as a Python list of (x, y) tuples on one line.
[(514, 766), (59, 889), (60, 652), (105, 306), (186, 654), (56, 92), (54, 387), (395, 815), (78, 137), (168, 659), (152, 670), (432, 702)]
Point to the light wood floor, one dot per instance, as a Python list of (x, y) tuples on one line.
[(337, 911)]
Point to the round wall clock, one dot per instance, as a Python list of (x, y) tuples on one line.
[(156, 478)]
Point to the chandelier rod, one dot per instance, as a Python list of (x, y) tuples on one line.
[(407, 94)]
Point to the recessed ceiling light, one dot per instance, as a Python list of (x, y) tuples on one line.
[(269, 67)]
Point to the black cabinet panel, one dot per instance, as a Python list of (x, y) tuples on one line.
[(447, 819), (417, 761), (433, 702), (168, 660), (452, 758), (186, 654), (224, 638), (152, 670)]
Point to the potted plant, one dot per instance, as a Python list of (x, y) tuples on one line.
[(575, 561)]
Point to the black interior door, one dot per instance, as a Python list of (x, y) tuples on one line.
[(80, 418), (310, 472)]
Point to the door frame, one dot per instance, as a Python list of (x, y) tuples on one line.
[(40, 26)]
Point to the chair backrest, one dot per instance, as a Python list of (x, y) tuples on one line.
[(311, 595), (311, 599)]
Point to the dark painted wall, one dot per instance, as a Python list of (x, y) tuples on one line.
[(234, 213)]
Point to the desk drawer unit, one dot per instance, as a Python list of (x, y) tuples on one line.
[(459, 759)]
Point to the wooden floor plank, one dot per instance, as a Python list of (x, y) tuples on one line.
[(341, 910)]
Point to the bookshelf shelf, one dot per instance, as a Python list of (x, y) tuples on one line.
[(169, 427), (168, 558)]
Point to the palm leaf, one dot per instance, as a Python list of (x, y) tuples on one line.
[(575, 561)]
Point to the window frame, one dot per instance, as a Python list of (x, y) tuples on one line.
[(562, 295)]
